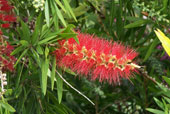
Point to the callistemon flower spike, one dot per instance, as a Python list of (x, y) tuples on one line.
[(97, 58), (6, 59)]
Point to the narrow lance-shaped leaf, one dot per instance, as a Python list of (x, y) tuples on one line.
[(23, 53), (159, 103), (36, 56), (46, 52), (59, 88), (53, 73), (39, 49), (50, 37), (69, 9), (166, 79), (136, 24), (150, 50), (25, 31), (56, 22), (60, 4), (44, 70), (59, 14), (38, 27), (47, 13), (164, 40), (7, 107), (17, 50), (155, 111)]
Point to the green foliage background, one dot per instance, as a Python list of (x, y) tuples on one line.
[(37, 86)]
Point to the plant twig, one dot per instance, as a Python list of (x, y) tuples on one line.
[(74, 88), (145, 74)]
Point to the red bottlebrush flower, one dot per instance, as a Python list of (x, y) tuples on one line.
[(6, 59), (9, 18), (5, 25), (1, 16), (97, 58), (1, 32), (2, 2), (6, 7)]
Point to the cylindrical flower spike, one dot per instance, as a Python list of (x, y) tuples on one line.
[(6, 17), (6, 59), (97, 58)]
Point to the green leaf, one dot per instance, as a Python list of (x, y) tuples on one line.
[(165, 90), (25, 31), (159, 103), (53, 73), (45, 41), (23, 53), (68, 35), (47, 15), (166, 107), (166, 79), (36, 56), (44, 70), (18, 91), (76, 39), (155, 111), (69, 28), (165, 3), (69, 9), (59, 88), (150, 50), (39, 49), (59, 14), (50, 37), (7, 107), (60, 4), (17, 50), (56, 23), (119, 23), (20, 70), (136, 24), (8, 92), (24, 42), (80, 10), (167, 99), (46, 52), (38, 27)]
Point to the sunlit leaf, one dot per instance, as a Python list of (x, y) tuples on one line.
[(164, 40)]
